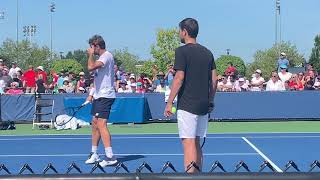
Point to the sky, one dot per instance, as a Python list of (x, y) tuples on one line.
[(243, 26)]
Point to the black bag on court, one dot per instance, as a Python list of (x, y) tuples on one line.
[(7, 125)]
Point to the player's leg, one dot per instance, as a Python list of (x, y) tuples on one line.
[(105, 104), (94, 156), (187, 131), (202, 127)]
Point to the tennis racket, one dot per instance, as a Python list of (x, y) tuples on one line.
[(73, 110)]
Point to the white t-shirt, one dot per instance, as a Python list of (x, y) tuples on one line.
[(256, 80), (284, 77), (104, 77), (277, 86)]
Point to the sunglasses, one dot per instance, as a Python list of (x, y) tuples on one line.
[(274, 76)]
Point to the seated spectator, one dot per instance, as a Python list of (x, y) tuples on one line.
[(257, 81), (160, 78), (133, 88), (61, 79), (275, 84), (14, 89), (224, 84), (81, 82), (241, 85), (122, 88), (309, 82), (282, 61), (81, 90), (2, 84), (67, 86), (295, 84), (284, 75), (231, 70), (5, 76), (140, 88), (132, 80), (162, 87), (16, 79), (147, 85), (301, 78)]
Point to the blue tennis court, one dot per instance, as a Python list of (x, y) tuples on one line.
[(156, 150)]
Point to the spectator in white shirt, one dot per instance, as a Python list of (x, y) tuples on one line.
[(275, 84), (122, 88), (14, 69), (257, 81), (284, 75), (241, 85)]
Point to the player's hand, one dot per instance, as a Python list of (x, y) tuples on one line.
[(167, 111), (211, 107), (90, 51)]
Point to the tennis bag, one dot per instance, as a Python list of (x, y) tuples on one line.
[(7, 125)]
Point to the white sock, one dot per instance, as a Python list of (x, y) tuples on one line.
[(109, 152), (94, 149)]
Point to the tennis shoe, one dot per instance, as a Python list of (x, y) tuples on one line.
[(108, 162), (93, 157)]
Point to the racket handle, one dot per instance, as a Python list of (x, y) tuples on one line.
[(85, 103)]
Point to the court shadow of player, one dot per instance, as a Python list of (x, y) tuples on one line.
[(129, 158)]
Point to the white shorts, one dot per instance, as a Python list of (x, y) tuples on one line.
[(192, 125)]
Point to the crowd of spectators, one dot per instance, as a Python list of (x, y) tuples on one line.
[(280, 79), (16, 81)]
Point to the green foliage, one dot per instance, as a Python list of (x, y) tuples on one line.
[(266, 60), (25, 54), (147, 68), (126, 60), (81, 57), (69, 65), (222, 64), (163, 51), (315, 54)]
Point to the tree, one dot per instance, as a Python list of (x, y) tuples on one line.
[(315, 54), (126, 60), (266, 60), (69, 65), (80, 56), (147, 68), (25, 54), (163, 51), (223, 61)]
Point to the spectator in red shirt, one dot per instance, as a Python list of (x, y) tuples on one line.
[(43, 73), (295, 84), (231, 70), (30, 80)]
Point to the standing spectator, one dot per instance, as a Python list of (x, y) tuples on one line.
[(133, 88), (1, 64), (154, 72), (81, 82), (14, 69), (169, 75), (7, 79), (14, 90), (41, 71), (301, 78), (54, 85), (282, 61), (61, 78), (2, 84), (257, 81), (30, 80), (275, 84), (147, 84), (131, 81), (40, 84), (117, 77), (284, 75), (161, 87), (231, 70)]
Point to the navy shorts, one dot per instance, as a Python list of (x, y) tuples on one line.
[(101, 107)]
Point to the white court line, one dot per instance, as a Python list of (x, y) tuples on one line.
[(70, 155), (227, 133), (156, 137), (262, 155)]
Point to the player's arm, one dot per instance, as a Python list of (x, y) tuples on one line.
[(92, 64)]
